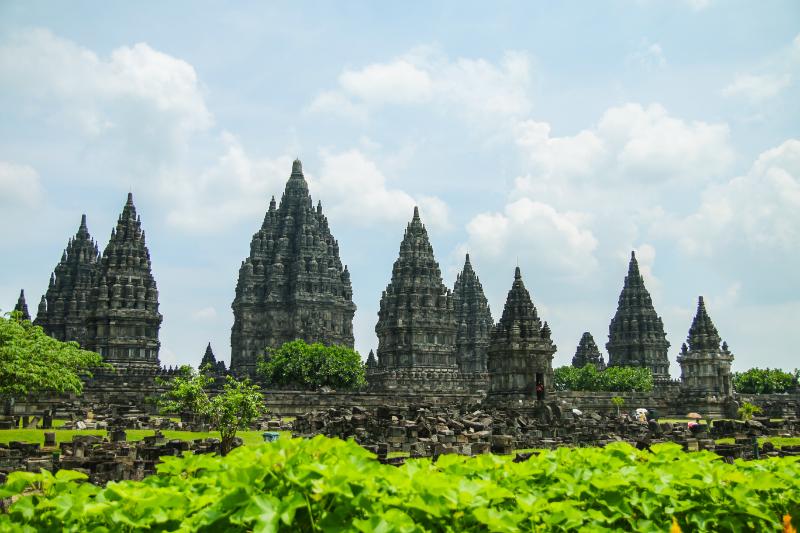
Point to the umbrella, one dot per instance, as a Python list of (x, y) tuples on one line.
[(697, 416), (641, 410), (577, 412)]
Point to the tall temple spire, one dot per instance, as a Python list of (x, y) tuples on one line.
[(292, 285), (124, 320), (22, 306), (520, 355), (474, 320), (587, 353), (705, 367), (64, 309), (416, 324), (636, 333)]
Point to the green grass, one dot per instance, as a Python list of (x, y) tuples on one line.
[(779, 442), (250, 438)]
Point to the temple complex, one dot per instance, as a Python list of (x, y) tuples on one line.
[(124, 321), (64, 309), (705, 366), (474, 321), (416, 322), (636, 334), (587, 353), (22, 306), (292, 285), (520, 361)]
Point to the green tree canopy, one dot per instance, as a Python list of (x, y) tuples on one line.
[(612, 379), (310, 366), (764, 381), (31, 362)]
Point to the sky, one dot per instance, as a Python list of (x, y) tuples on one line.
[(554, 135)]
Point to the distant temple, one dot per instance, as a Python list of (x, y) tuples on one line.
[(636, 334), (210, 364), (474, 321), (587, 353), (22, 306), (292, 285), (705, 366)]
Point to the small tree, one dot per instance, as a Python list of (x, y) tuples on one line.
[(311, 366), (32, 362), (618, 402), (764, 381), (237, 406), (747, 410)]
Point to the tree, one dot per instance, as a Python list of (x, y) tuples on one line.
[(618, 402), (764, 381), (311, 366), (747, 410), (237, 406), (612, 379), (32, 363)]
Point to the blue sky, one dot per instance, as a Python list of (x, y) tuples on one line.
[(557, 135)]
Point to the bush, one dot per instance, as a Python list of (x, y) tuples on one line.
[(612, 379), (764, 381), (330, 485), (311, 366)]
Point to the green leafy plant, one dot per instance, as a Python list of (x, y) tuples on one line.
[(748, 410), (326, 484), (32, 362), (764, 381), (612, 379), (311, 366), (618, 402)]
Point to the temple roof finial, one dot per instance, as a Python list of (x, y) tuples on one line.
[(297, 167), (517, 273), (416, 214), (83, 221)]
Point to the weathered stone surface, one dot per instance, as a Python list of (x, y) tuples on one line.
[(636, 334), (65, 307), (587, 353), (22, 306), (705, 366), (292, 285), (416, 323), (124, 321), (474, 321), (521, 350)]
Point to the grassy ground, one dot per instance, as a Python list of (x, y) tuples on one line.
[(250, 438), (777, 441)]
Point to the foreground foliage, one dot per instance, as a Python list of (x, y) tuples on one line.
[(31, 362), (327, 484), (765, 381), (612, 379), (311, 366)]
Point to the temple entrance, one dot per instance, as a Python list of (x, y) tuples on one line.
[(540, 386)]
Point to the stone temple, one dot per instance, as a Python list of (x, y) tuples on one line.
[(705, 366), (292, 285), (416, 322), (22, 306), (636, 334), (587, 353), (474, 320), (64, 308), (521, 350)]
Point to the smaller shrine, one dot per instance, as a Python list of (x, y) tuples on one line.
[(705, 365), (587, 353)]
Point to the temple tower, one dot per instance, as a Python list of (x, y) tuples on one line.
[(521, 350), (64, 309), (209, 360), (22, 306), (292, 285), (474, 321), (587, 353), (636, 334), (705, 367), (416, 323), (124, 320)]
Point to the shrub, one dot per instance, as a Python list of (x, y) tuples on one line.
[(764, 381), (612, 379), (311, 366)]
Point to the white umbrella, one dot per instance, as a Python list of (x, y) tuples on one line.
[(577, 412), (641, 410)]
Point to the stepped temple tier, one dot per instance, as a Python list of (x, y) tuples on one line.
[(474, 321), (124, 321), (292, 285), (705, 366), (65, 307), (587, 353), (22, 306), (636, 334), (521, 351)]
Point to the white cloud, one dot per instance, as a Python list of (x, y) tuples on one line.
[(474, 89), (648, 55), (19, 186), (205, 314), (760, 209), (757, 88), (558, 241)]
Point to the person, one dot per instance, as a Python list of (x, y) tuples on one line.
[(540, 391)]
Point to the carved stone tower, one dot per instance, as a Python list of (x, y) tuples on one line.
[(124, 320), (474, 320), (636, 334), (292, 285), (588, 353), (705, 367), (416, 323), (209, 360), (521, 350), (22, 306), (65, 308)]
